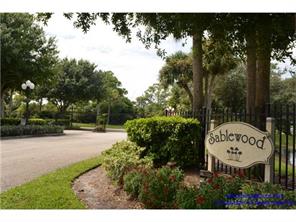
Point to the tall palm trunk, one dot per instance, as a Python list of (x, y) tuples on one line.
[(197, 72), (197, 84), (206, 77), (251, 72), (263, 75)]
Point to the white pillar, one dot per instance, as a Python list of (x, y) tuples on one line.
[(268, 172), (211, 159)]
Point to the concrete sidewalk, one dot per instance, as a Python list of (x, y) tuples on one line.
[(25, 159)]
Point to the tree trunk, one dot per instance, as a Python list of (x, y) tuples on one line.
[(10, 105), (98, 113), (206, 98), (109, 111), (2, 106), (40, 104), (3, 89), (188, 91), (263, 75), (197, 72), (210, 91), (251, 72)]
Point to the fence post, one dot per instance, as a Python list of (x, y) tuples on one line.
[(268, 172), (211, 159)]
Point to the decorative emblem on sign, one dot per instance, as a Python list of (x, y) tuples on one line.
[(239, 144), (234, 153)]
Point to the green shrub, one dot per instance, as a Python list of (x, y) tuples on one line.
[(61, 122), (186, 197), (10, 121), (166, 138), (132, 183), (58, 122), (123, 157), (37, 122), (159, 187), (263, 196), (17, 121), (29, 130)]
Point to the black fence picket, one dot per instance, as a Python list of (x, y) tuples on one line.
[(284, 139)]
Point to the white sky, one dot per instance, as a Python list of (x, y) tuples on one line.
[(136, 67)]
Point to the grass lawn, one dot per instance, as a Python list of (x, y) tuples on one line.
[(84, 125), (115, 126), (277, 141), (283, 168), (51, 191), (92, 125)]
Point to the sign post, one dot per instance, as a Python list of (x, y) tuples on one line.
[(211, 158), (268, 172), (241, 145)]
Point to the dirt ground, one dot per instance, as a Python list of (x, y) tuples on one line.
[(97, 191)]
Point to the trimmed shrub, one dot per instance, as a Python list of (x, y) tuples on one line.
[(166, 138), (29, 130), (61, 122), (37, 122), (159, 187), (17, 121), (10, 121), (122, 158)]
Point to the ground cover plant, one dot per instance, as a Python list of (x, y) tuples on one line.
[(123, 157)]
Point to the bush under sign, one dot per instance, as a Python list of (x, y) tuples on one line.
[(239, 144)]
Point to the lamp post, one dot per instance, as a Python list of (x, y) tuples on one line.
[(169, 111), (27, 87)]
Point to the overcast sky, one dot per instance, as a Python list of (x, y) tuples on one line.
[(136, 67)]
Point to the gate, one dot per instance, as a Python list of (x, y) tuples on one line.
[(284, 140)]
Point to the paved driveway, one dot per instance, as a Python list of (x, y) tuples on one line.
[(25, 159)]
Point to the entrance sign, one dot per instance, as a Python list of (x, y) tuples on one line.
[(239, 144)]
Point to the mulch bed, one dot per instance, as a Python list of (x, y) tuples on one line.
[(96, 190)]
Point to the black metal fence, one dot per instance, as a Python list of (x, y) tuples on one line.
[(284, 139)]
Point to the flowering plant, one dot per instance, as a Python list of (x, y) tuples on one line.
[(159, 187), (210, 195)]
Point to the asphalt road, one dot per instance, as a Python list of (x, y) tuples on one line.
[(25, 159)]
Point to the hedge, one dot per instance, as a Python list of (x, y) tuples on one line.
[(30, 130), (166, 138), (35, 121), (61, 122), (10, 121)]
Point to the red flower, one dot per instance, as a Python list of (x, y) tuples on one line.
[(200, 199), (210, 180), (241, 174), (165, 190), (172, 178), (216, 186), (215, 174)]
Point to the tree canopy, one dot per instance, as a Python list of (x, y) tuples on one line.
[(26, 53)]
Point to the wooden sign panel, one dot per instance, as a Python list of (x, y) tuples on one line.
[(239, 144)]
